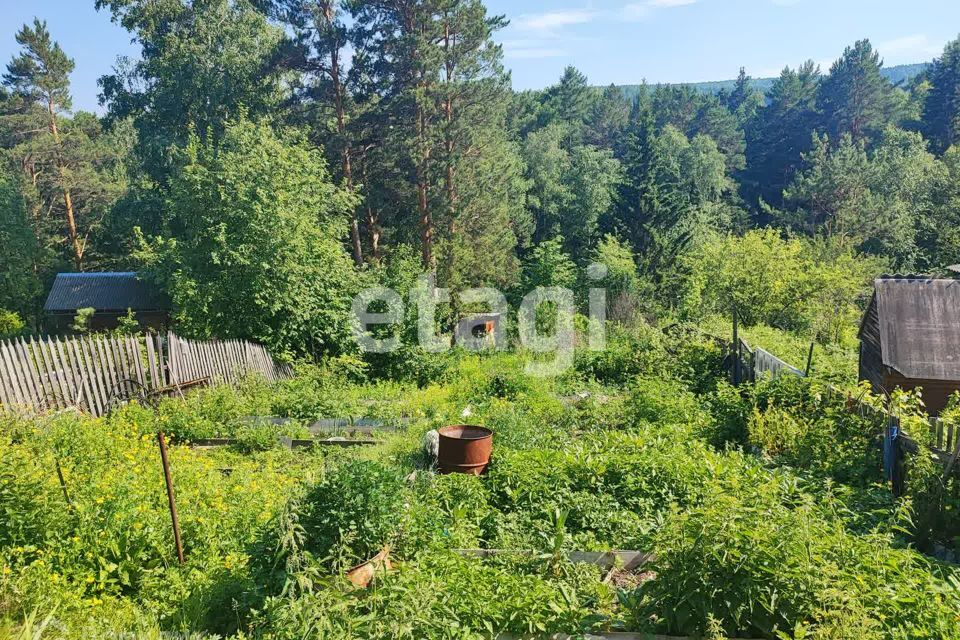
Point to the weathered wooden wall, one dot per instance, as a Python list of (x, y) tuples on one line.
[(87, 372)]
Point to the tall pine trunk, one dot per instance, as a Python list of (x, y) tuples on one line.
[(356, 248), (72, 233), (448, 134), (373, 218), (423, 202)]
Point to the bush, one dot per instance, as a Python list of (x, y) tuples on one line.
[(356, 508), (629, 352), (11, 325), (764, 560)]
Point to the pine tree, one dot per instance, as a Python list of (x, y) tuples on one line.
[(651, 212), (608, 120), (744, 100), (941, 112), (570, 100), (741, 91), (855, 99), (781, 134), (443, 94), (322, 86), (40, 75)]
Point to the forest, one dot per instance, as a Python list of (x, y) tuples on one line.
[(263, 161)]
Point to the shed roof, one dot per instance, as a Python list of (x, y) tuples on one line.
[(105, 292), (919, 326)]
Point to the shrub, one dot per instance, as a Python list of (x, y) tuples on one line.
[(11, 324), (763, 559), (356, 507), (629, 352)]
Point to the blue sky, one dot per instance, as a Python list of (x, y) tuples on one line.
[(621, 41)]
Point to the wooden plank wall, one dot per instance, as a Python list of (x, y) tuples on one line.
[(87, 372)]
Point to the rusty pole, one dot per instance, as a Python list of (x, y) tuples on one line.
[(63, 483), (170, 497)]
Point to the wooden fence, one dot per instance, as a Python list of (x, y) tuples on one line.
[(749, 365), (91, 372), (753, 364)]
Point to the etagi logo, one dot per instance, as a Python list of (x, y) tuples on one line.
[(545, 320)]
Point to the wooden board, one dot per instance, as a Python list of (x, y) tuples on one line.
[(628, 560)]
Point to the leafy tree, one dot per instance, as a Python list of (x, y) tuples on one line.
[(595, 176), (871, 201), (938, 234), (569, 189), (22, 266), (941, 110), (547, 168), (696, 166), (82, 320), (790, 284), (623, 284), (203, 61), (855, 99), (10, 324), (692, 112), (253, 247)]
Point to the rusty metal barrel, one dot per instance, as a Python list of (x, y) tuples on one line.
[(465, 449)]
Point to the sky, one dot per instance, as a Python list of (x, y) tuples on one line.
[(611, 41)]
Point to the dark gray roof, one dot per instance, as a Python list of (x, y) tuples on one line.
[(105, 292), (920, 326)]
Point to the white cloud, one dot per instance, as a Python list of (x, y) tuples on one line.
[(670, 3), (531, 48), (636, 11), (553, 20), (917, 47), (550, 22)]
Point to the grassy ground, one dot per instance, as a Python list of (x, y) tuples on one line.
[(765, 508)]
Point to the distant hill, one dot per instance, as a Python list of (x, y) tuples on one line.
[(897, 74)]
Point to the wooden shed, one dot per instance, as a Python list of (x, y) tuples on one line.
[(910, 337), (110, 295)]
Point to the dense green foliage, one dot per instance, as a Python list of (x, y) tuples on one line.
[(791, 537), (264, 160), (260, 259), (406, 108)]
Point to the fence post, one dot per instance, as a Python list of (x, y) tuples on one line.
[(736, 348)]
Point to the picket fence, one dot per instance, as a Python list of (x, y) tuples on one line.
[(91, 372), (752, 364)]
